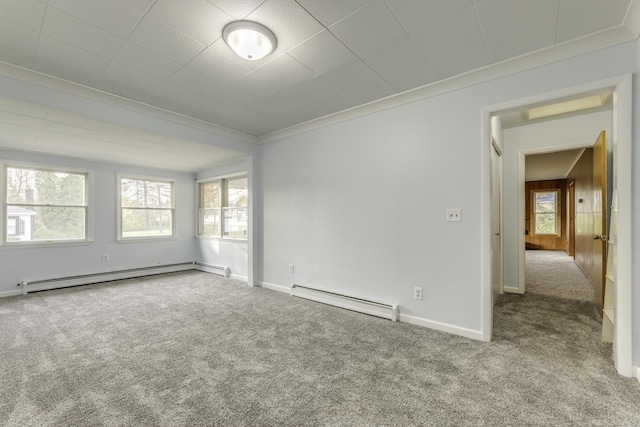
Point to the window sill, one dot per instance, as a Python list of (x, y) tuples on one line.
[(145, 239), (44, 244), (222, 239)]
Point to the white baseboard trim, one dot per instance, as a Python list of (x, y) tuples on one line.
[(88, 279), (238, 277), (273, 287), (4, 294), (510, 290), (439, 326), (406, 318), (636, 369)]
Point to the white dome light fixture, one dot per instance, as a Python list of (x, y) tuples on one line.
[(249, 39)]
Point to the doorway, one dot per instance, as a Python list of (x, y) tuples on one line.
[(513, 220)]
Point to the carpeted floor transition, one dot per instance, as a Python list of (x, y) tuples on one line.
[(194, 349)]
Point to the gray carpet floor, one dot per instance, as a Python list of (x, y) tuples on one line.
[(554, 273), (195, 349)]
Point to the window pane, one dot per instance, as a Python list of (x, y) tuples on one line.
[(546, 223), (210, 195), (210, 220), (41, 223), (137, 193), (545, 202), (147, 222), (28, 186), (235, 222), (237, 195)]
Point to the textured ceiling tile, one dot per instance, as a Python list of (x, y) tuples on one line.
[(218, 66), (124, 75), (196, 18), (162, 39), (75, 59), (25, 13), (236, 98), (580, 17), (331, 11), (285, 71), (414, 14), (517, 26), (290, 23), (321, 52), (239, 9), (401, 64), (321, 91), (287, 99), (117, 17), (256, 84), (197, 82), (367, 28), (69, 71), (146, 61), (17, 44), (454, 44), (72, 31), (143, 5), (358, 80)]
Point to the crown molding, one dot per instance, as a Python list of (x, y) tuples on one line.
[(50, 82), (573, 48)]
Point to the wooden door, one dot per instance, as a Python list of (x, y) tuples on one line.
[(599, 218), (571, 246)]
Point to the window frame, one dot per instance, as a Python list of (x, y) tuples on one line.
[(223, 183), (174, 233), (558, 211), (88, 203)]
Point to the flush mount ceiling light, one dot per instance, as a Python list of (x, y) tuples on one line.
[(249, 40)]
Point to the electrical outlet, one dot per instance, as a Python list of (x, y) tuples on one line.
[(417, 293), (105, 257), (291, 268), (454, 215)]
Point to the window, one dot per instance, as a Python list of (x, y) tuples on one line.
[(223, 208), (546, 212), (146, 208), (45, 205)]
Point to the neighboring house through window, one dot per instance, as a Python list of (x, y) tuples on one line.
[(45, 205)]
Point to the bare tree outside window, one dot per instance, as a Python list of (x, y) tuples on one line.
[(146, 208)]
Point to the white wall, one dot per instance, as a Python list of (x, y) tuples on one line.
[(554, 135), (47, 262), (359, 206), (635, 211), (227, 253)]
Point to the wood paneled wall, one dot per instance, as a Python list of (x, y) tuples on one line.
[(582, 176), (553, 243)]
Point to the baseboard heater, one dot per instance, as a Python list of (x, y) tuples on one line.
[(373, 308), (88, 279), (214, 269)]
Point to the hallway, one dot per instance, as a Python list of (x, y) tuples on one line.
[(555, 274)]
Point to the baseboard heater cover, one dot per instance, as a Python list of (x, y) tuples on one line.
[(373, 308), (88, 279), (214, 269)]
